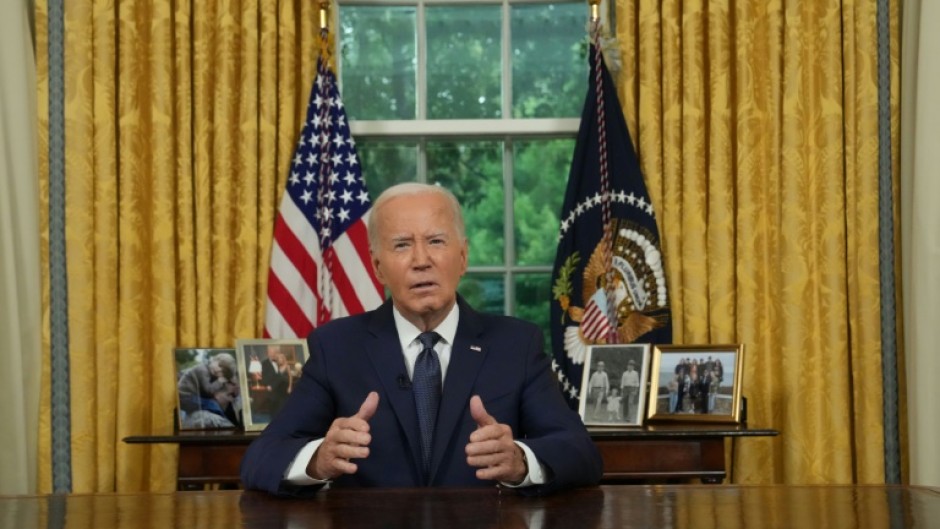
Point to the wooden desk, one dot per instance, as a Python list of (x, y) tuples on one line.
[(621, 507), (661, 453)]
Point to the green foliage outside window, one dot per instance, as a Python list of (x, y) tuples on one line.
[(511, 187)]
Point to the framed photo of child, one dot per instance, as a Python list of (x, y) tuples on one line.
[(207, 389), (613, 389), (270, 369)]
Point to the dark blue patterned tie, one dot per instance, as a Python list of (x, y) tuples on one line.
[(427, 388)]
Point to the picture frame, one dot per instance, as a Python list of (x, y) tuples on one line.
[(626, 370), (269, 370), (208, 392), (680, 392)]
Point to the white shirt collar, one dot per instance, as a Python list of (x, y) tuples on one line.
[(410, 347), (408, 333)]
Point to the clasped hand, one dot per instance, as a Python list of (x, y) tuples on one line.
[(491, 449)]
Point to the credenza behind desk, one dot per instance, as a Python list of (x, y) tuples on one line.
[(652, 454)]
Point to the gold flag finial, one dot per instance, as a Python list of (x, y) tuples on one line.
[(324, 11), (595, 10)]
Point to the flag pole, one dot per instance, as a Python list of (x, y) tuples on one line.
[(607, 239)]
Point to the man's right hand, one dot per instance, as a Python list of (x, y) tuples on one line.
[(348, 438)]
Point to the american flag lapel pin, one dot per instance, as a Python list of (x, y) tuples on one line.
[(476, 348)]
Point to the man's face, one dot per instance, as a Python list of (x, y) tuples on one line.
[(214, 368), (272, 352), (420, 256), (600, 366)]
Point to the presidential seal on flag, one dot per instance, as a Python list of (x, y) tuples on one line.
[(638, 301)]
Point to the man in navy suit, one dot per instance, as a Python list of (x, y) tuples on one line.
[(351, 421)]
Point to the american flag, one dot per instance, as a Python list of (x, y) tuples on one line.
[(320, 265)]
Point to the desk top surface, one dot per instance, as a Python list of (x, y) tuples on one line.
[(679, 506)]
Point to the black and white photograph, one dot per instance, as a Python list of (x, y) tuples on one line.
[(613, 389), (696, 383), (207, 389), (270, 369)]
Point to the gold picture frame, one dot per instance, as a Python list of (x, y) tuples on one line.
[(622, 400), (696, 383), (268, 371)]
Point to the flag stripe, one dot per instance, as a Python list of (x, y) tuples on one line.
[(286, 305), (595, 323), (346, 302), (298, 229), (353, 251), (274, 324), (293, 277)]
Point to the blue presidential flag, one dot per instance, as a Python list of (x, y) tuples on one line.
[(609, 281)]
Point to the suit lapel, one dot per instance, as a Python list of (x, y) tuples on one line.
[(388, 361), (466, 359)]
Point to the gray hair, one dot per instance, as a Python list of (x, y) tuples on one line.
[(227, 363), (413, 188)]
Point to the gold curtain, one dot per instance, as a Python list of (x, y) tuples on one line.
[(180, 118), (756, 126), (757, 130)]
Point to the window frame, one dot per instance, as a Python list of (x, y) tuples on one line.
[(506, 129)]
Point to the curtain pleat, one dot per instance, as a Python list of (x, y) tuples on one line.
[(756, 125), (180, 120)]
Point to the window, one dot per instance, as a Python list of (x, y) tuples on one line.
[(485, 99)]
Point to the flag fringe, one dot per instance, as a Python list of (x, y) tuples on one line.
[(609, 46)]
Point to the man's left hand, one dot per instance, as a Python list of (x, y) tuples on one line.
[(491, 448)]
